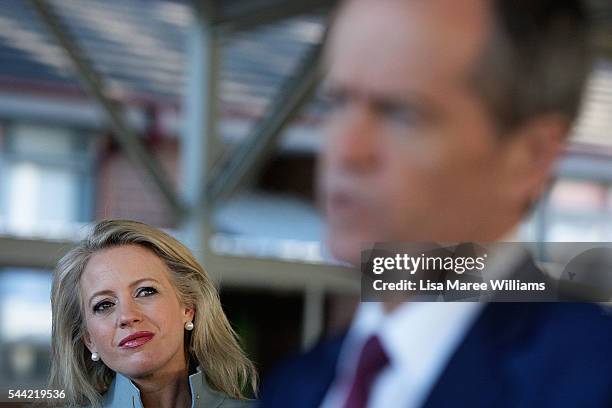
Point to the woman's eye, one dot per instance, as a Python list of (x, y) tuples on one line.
[(102, 306), (142, 292)]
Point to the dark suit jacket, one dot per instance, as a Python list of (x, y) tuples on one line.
[(515, 355)]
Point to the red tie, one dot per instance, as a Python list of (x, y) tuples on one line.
[(371, 362)]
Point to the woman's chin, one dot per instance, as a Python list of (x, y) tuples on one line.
[(138, 366)]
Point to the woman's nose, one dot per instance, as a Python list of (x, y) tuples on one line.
[(129, 313)]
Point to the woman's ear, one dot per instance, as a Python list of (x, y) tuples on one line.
[(88, 343), (188, 313)]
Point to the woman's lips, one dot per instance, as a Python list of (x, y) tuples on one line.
[(136, 340)]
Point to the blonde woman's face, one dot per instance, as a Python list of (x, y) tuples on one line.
[(133, 315)]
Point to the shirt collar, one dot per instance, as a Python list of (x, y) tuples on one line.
[(416, 336), (123, 391), (125, 394), (418, 333)]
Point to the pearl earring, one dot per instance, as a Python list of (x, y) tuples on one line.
[(189, 326), (95, 356)]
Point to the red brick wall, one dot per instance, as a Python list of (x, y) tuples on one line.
[(124, 192)]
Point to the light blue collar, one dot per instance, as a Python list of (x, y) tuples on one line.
[(123, 393)]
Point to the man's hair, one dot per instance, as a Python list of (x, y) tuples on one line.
[(536, 62)]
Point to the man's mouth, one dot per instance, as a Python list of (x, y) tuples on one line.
[(342, 205)]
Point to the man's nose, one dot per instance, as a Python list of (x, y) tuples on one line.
[(353, 140), (129, 313)]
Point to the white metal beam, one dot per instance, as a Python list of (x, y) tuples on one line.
[(276, 274), (229, 271), (312, 320), (244, 15), (199, 143), (94, 84), (254, 150), (31, 253)]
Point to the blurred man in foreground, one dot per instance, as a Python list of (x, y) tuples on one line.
[(446, 119)]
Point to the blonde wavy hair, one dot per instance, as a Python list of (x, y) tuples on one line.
[(212, 343)]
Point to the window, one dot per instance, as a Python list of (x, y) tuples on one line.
[(578, 212), (25, 326), (46, 188)]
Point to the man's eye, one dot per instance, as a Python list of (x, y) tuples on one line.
[(399, 114), (102, 306), (333, 100), (148, 291)]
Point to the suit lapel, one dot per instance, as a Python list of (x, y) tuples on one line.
[(479, 373), (325, 370), (308, 380)]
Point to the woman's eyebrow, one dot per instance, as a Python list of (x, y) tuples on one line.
[(137, 282), (99, 293)]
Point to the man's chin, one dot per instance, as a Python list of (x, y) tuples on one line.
[(345, 248)]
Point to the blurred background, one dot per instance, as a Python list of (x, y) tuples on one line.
[(202, 118)]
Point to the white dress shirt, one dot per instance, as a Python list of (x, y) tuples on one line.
[(419, 339)]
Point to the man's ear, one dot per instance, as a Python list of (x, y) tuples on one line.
[(533, 149)]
